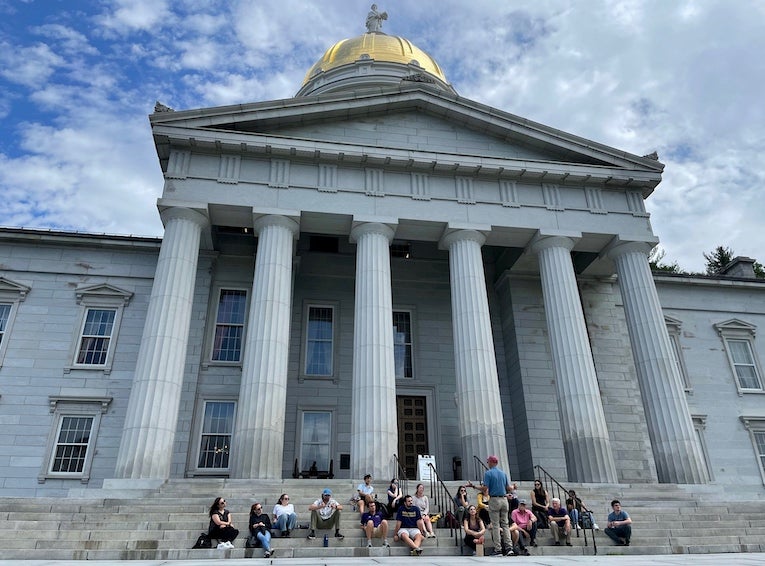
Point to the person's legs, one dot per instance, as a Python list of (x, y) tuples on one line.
[(315, 518), (574, 516), (567, 530), (613, 535), (265, 540), (494, 512), (626, 533), (292, 522), (504, 524), (533, 533), (470, 542), (403, 534), (555, 532)]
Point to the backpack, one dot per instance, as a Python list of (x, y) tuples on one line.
[(203, 541)]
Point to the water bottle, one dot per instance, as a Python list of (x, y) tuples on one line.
[(326, 540)]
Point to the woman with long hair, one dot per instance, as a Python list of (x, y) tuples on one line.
[(221, 524), (285, 518), (260, 528), (394, 497), (474, 528), (539, 504), (421, 501)]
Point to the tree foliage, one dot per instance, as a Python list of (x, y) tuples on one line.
[(655, 259), (717, 259)]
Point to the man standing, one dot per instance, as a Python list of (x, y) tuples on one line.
[(619, 526), (560, 523), (325, 514), (374, 525), (409, 527), (527, 526), (497, 485), (365, 491)]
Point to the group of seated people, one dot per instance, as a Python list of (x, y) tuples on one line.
[(413, 519), (544, 513)]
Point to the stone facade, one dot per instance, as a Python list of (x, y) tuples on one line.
[(506, 259)]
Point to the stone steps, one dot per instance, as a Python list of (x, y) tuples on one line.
[(115, 524)]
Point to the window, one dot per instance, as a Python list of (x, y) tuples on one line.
[(217, 428), (402, 344), (315, 439), (101, 315), (96, 336), (673, 329), (71, 444), (229, 326), (11, 294), (319, 341), (738, 338), (756, 428)]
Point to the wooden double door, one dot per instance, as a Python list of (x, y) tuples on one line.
[(412, 431)]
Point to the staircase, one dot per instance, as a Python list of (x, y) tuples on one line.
[(163, 524)]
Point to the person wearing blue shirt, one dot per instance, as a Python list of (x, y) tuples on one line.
[(619, 526), (496, 485)]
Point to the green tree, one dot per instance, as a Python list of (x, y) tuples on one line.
[(759, 270), (655, 260), (717, 259)]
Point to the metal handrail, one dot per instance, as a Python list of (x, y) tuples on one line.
[(557, 489), (479, 467), (444, 501), (403, 481)]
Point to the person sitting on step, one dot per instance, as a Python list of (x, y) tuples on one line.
[(474, 528), (325, 514), (365, 492), (619, 527), (560, 522), (374, 525), (260, 528), (285, 518), (221, 524), (421, 501), (409, 527)]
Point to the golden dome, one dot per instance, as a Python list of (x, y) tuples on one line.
[(376, 46)]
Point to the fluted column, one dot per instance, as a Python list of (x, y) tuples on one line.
[(258, 442), (146, 447), (479, 405), (675, 446), (589, 457), (374, 429)]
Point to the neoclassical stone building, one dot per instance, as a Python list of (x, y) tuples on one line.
[(377, 268)]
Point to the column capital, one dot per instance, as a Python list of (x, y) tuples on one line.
[(195, 215), (542, 241), (260, 221), (361, 227), (459, 235), (618, 247)]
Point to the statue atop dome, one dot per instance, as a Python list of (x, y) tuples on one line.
[(375, 19)]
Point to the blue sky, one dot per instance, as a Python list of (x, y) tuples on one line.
[(685, 78)]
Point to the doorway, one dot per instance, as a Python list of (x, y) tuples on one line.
[(412, 431)]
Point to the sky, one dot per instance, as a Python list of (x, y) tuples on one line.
[(684, 78)]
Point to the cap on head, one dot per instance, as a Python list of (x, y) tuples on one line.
[(327, 491), (522, 502), (492, 459)]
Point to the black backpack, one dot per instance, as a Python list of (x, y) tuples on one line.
[(203, 541)]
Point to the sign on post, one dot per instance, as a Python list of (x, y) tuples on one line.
[(424, 472)]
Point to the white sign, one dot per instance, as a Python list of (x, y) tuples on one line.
[(423, 470)]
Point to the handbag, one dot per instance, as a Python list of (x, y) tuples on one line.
[(203, 541), (252, 542)]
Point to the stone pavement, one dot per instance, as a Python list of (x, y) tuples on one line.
[(742, 559)]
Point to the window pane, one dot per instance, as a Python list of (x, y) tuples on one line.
[(217, 427), (96, 336), (72, 444), (316, 440), (319, 345), (402, 344), (229, 327), (5, 313), (743, 362)]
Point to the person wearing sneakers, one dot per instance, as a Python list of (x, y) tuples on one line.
[(374, 525), (221, 524), (423, 504), (260, 528), (409, 527), (496, 485), (325, 514), (526, 522), (560, 522)]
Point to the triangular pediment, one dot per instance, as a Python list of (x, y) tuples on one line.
[(421, 125), (103, 291), (12, 290)]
